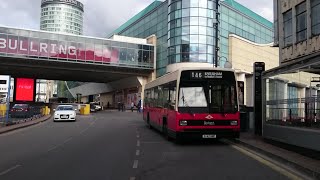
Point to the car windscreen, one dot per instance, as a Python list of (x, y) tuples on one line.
[(20, 106), (65, 108)]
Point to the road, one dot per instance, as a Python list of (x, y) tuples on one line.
[(117, 145)]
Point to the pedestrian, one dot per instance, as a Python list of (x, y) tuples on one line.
[(132, 106), (119, 106), (139, 106), (108, 105), (122, 107)]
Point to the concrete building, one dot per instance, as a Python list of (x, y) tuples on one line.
[(62, 16), (291, 103)]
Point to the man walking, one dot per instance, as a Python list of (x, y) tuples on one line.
[(132, 106)]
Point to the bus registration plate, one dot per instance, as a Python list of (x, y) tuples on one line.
[(209, 136)]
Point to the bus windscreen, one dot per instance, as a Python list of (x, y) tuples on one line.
[(207, 92)]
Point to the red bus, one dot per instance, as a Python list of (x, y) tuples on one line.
[(194, 103)]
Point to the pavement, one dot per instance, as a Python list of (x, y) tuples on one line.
[(22, 123), (308, 165), (118, 145)]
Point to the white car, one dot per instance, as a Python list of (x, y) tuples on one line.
[(65, 113)]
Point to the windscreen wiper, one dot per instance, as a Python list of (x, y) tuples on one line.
[(185, 103)]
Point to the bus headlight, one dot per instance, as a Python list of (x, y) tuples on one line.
[(233, 123), (183, 123)]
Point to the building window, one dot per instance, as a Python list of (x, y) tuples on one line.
[(287, 24), (301, 22), (315, 17)]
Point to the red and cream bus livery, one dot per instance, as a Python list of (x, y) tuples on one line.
[(194, 102)]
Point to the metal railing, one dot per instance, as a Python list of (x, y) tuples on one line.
[(17, 117), (297, 117)]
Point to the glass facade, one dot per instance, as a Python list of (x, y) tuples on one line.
[(185, 29), (232, 21), (61, 18), (190, 31)]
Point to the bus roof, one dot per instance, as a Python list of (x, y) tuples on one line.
[(173, 76)]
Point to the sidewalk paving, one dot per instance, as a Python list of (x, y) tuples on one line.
[(303, 163), (6, 129)]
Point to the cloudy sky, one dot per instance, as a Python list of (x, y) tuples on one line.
[(101, 16)]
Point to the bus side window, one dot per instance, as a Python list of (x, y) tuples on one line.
[(172, 97)]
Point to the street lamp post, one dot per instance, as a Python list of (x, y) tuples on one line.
[(216, 26), (8, 100)]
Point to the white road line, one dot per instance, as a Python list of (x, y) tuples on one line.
[(138, 143), (137, 152), (53, 148), (83, 131), (151, 142), (67, 140), (135, 164), (56, 146), (138, 136), (132, 178), (10, 169)]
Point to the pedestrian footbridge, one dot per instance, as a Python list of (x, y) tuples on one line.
[(46, 55)]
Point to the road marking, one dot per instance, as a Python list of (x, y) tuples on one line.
[(135, 164), (151, 142), (83, 131), (138, 143), (61, 144), (10, 169), (132, 178), (138, 136), (266, 162), (137, 152), (67, 140)]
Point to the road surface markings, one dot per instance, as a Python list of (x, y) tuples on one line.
[(137, 152), (266, 162), (61, 144), (10, 169), (132, 178), (67, 140), (135, 164), (151, 142), (138, 143), (83, 131), (138, 136)]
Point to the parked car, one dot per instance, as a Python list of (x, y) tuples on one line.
[(97, 107), (92, 107), (65, 113), (21, 111)]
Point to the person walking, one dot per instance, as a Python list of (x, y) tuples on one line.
[(122, 106), (132, 106), (139, 106)]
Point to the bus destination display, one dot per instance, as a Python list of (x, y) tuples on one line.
[(206, 75)]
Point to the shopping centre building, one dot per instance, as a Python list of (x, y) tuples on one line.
[(183, 32)]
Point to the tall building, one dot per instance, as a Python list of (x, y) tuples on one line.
[(65, 17), (185, 30), (62, 16)]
